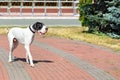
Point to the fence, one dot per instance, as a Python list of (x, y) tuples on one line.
[(38, 7)]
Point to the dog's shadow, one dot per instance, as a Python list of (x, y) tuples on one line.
[(34, 61)]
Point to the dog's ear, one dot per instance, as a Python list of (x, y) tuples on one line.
[(37, 26)]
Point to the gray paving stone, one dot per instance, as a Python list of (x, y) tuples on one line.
[(15, 70), (98, 74)]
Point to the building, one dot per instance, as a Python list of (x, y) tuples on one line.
[(38, 7)]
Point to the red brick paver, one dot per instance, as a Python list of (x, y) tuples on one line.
[(101, 58), (3, 72), (49, 66)]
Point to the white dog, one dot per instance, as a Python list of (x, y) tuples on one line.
[(24, 36)]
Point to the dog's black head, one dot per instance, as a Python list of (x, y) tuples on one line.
[(40, 27), (37, 26)]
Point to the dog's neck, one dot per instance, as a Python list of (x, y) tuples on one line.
[(31, 29)]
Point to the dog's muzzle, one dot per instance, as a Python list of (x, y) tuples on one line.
[(42, 33)]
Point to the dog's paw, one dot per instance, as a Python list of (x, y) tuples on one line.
[(32, 65), (9, 61)]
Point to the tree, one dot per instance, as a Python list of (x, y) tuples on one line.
[(102, 15)]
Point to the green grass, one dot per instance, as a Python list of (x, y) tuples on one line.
[(79, 33)]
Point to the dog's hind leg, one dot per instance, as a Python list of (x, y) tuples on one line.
[(10, 51), (13, 44)]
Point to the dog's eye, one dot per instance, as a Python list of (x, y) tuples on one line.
[(39, 26)]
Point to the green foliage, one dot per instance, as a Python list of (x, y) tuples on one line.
[(102, 15), (84, 10)]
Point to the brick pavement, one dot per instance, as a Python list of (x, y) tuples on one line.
[(60, 59)]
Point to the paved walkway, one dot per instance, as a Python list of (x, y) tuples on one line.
[(59, 59)]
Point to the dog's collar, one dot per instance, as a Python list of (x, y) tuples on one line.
[(31, 29)]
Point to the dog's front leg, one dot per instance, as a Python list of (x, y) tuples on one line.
[(29, 55)]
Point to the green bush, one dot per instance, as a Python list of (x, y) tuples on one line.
[(101, 15)]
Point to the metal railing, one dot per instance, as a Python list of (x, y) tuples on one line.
[(58, 6)]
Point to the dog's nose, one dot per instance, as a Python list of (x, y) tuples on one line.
[(46, 29)]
